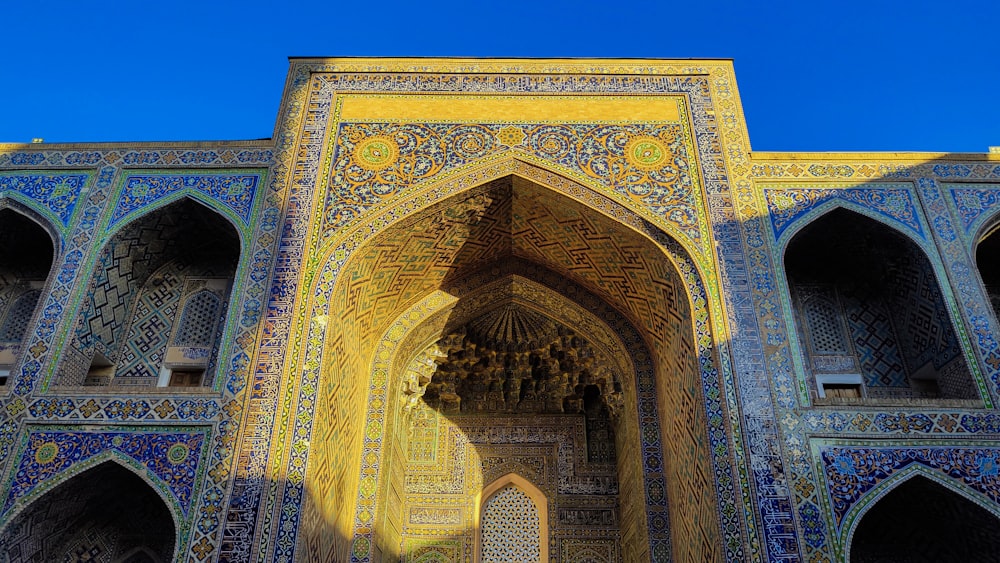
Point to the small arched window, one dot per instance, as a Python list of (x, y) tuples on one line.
[(513, 522)]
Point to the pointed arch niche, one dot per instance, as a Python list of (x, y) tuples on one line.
[(988, 264), (553, 327), (156, 304), (922, 521), (107, 513), (512, 522), (870, 316), (26, 257)]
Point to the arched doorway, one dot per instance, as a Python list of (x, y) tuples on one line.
[(921, 521), (105, 514), (464, 248), (870, 313)]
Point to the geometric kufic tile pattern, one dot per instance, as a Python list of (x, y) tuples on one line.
[(875, 343), (39, 344), (563, 81), (312, 117), (143, 350), (79, 247), (572, 225), (560, 235), (925, 328), (124, 266)]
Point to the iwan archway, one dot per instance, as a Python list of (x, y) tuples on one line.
[(520, 273)]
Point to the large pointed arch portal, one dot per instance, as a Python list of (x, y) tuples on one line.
[(622, 451)]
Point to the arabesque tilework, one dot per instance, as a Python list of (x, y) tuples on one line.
[(394, 194)]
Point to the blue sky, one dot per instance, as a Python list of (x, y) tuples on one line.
[(813, 75)]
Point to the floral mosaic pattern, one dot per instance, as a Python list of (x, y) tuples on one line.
[(56, 194), (235, 191), (852, 471), (895, 202), (649, 165), (171, 455)]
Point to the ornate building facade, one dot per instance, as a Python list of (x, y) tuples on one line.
[(498, 310)]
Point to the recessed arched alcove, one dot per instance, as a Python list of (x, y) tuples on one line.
[(988, 263), (26, 255), (870, 316), (512, 522), (921, 521), (156, 302), (105, 514), (523, 278)]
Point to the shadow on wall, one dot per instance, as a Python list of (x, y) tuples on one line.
[(516, 359), (105, 514)]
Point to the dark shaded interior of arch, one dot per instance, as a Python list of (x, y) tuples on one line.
[(867, 302), (105, 514), (515, 360), (25, 259), (921, 521), (988, 262), (137, 289), (186, 231), (25, 248)]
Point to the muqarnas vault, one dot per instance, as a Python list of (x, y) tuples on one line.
[(498, 310)]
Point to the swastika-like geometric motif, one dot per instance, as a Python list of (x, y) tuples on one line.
[(510, 528), (138, 284), (875, 343), (153, 314)]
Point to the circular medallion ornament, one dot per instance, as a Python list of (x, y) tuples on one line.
[(510, 136), (376, 153), (46, 453), (177, 454), (473, 143), (647, 153)]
